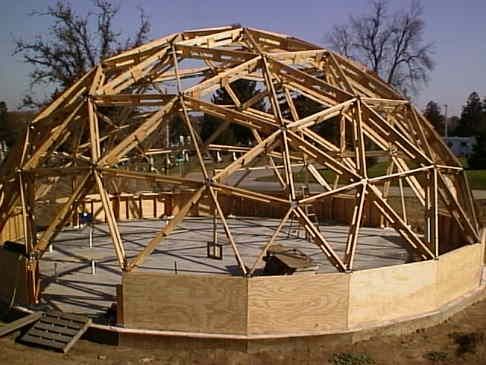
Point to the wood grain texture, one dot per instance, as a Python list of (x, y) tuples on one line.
[(483, 244), (211, 304), (13, 228), (459, 272), (393, 292), (297, 304), (148, 207)]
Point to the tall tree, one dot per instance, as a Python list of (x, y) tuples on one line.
[(390, 44), (477, 159), (473, 118), (73, 44), (12, 125), (433, 114), (306, 107)]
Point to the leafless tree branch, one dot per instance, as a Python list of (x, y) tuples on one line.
[(391, 45), (74, 44)]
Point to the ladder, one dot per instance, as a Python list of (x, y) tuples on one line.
[(57, 330), (294, 226)]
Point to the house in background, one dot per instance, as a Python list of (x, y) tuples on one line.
[(461, 146)]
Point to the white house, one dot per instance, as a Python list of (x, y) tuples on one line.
[(461, 146)]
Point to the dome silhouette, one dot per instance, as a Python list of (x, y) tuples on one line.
[(313, 117)]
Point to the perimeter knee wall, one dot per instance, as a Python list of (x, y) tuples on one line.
[(307, 304)]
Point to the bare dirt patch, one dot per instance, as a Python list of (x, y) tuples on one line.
[(460, 340)]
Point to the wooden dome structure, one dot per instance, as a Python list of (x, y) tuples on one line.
[(111, 125)]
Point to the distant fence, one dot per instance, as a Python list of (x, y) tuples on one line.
[(338, 208), (127, 207)]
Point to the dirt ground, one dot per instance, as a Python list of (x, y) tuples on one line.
[(460, 340)]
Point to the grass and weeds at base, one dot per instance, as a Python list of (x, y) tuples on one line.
[(349, 358), (467, 342), (436, 356)]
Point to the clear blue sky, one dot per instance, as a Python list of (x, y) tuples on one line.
[(457, 28)]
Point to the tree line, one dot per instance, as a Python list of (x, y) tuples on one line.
[(389, 43), (471, 123)]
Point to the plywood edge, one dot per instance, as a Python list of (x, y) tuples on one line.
[(483, 244)]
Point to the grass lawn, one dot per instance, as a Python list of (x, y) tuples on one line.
[(477, 178)]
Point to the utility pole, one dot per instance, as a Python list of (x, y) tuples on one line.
[(445, 121)]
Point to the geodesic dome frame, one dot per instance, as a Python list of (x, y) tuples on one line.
[(118, 112)]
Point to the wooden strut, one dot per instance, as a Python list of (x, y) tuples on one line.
[(112, 124)]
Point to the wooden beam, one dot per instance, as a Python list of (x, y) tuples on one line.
[(42, 150), (249, 194), (232, 116), (319, 240), (320, 155), (341, 189), (111, 220), (134, 73), (263, 147), (472, 235), (63, 214), (173, 180), (399, 224), (275, 234), (82, 83), (322, 116), (140, 134), (227, 230), (309, 84), (168, 228), (206, 86), (352, 240)]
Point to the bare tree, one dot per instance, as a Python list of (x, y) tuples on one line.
[(390, 44), (73, 44)]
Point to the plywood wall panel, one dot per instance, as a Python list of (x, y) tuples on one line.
[(459, 272), (13, 229), (297, 304), (199, 303), (392, 292), (148, 207)]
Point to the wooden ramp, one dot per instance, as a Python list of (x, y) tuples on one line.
[(57, 330)]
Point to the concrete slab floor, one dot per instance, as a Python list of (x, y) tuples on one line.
[(71, 285)]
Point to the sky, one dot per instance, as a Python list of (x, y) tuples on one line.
[(457, 31)]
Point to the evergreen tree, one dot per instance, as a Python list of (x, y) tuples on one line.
[(10, 125), (477, 160), (433, 114), (306, 107), (234, 134), (472, 117)]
